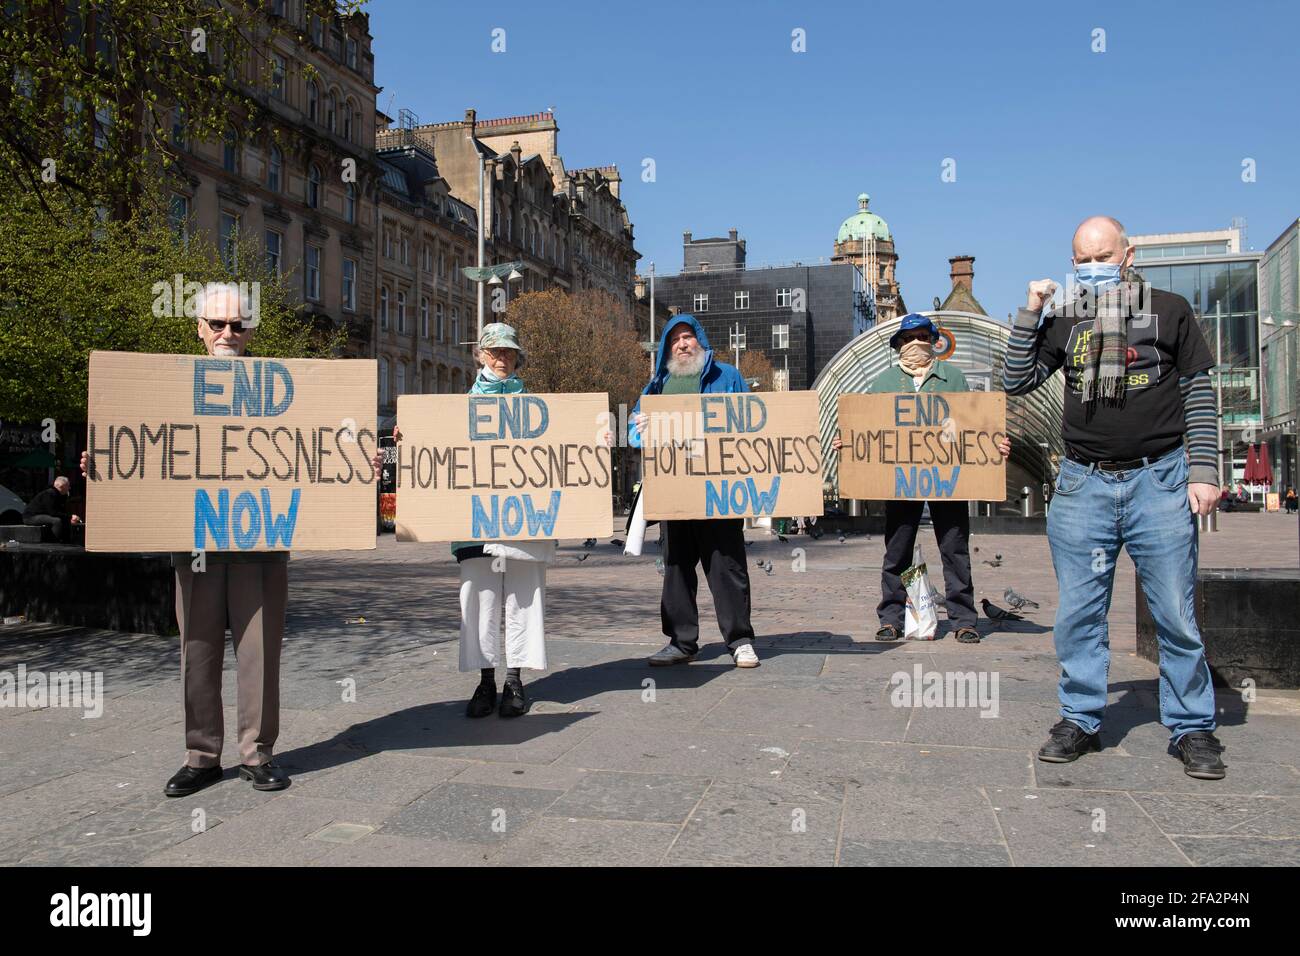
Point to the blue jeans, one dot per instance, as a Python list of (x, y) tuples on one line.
[(1092, 515)]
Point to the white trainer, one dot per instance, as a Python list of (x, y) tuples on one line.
[(744, 656)]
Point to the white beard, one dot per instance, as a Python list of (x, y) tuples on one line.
[(224, 350), (691, 365)]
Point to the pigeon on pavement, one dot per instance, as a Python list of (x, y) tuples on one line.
[(1017, 601)]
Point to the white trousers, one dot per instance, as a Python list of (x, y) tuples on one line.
[(523, 585)]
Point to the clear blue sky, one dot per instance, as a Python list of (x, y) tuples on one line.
[(747, 134)]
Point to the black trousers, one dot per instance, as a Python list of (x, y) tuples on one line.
[(718, 545), (58, 527), (952, 532)]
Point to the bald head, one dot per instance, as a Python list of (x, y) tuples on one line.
[(1102, 239)]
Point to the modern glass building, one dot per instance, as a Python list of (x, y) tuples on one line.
[(1221, 282), (1279, 351), (1033, 420)]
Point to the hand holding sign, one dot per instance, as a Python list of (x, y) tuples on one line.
[(503, 467), (732, 455), (229, 454), (924, 445)]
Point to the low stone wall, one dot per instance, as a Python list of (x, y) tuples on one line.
[(1247, 618), (65, 584)]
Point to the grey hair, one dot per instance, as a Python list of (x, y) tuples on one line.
[(247, 307)]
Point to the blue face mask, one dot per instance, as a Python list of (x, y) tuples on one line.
[(1098, 275)]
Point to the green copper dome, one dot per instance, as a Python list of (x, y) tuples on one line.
[(862, 224)]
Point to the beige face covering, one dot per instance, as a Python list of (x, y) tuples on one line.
[(915, 358)]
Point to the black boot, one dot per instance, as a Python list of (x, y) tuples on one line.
[(1067, 741), (1200, 751), (189, 780), (265, 776), (483, 702), (514, 702)]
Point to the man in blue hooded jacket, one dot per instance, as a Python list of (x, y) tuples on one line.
[(685, 366)]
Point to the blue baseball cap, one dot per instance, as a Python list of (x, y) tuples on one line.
[(913, 320)]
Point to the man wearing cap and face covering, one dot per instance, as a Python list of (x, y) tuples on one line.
[(919, 370)]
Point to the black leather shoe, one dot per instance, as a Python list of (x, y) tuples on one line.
[(1067, 742), (514, 702), (265, 776), (483, 702), (1200, 751), (888, 633), (189, 780)]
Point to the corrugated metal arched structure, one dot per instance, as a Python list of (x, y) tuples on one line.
[(981, 345)]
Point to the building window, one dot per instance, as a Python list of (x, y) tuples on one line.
[(401, 379), (347, 121), (455, 326), (277, 7), (701, 302), (737, 337), (277, 76), (229, 238), (274, 169), (331, 111), (352, 53), (439, 328), (388, 244), (180, 216), (317, 31), (311, 275), (178, 127), (313, 186), (780, 336), (274, 244), (782, 298), (406, 252), (401, 312), (427, 257), (383, 380), (424, 317), (313, 101), (230, 152), (742, 300), (383, 309), (350, 284), (442, 265), (350, 203)]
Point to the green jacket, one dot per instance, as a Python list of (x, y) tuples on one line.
[(942, 378)]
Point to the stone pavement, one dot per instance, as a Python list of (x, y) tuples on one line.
[(802, 761)]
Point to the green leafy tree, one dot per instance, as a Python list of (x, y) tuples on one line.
[(82, 282), (88, 88)]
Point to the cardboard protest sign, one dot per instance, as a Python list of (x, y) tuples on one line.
[(503, 467), (195, 453), (923, 446), (732, 455)]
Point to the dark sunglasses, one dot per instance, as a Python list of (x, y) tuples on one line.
[(219, 325)]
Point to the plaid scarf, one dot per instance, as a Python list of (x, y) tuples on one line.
[(1106, 369)]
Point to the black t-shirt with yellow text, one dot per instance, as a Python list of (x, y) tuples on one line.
[(1164, 344)]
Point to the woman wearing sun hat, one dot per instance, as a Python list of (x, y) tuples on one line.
[(497, 575)]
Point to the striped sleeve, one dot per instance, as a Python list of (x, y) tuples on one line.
[(1027, 364), (1200, 413)]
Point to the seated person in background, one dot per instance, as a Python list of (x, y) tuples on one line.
[(50, 508)]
